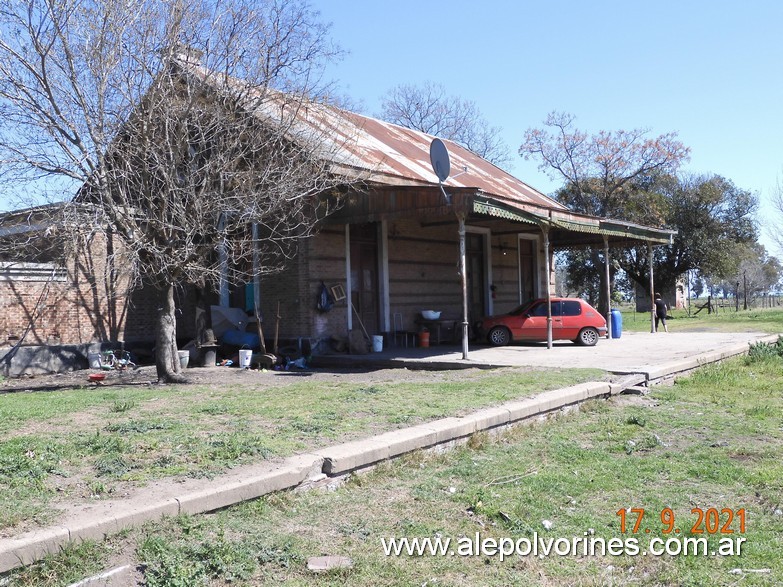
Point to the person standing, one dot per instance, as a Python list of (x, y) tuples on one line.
[(660, 312)]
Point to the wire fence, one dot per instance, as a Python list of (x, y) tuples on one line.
[(734, 304)]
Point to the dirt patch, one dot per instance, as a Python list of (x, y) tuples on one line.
[(77, 379), (91, 419), (632, 399), (221, 376)]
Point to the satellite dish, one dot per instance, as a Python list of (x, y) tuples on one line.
[(439, 157)]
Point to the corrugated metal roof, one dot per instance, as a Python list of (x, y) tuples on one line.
[(392, 153), (385, 153)]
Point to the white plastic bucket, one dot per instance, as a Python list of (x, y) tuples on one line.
[(245, 356), (94, 360), (184, 358), (377, 343)]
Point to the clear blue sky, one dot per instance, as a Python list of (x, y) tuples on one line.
[(710, 70)]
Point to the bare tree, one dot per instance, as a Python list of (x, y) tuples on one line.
[(775, 230), (185, 127), (757, 273), (596, 168), (602, 173), (428, 109)]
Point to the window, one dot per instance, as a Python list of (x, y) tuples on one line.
[(571, 308), (540, 309)]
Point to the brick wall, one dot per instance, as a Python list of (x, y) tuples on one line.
[(83, 307), (326, 262), (18, 301), (424, 270), (80, 307), (320, 258), (140, 323), (423, 274)]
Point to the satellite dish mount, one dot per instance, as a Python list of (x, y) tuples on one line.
[(441, 164)]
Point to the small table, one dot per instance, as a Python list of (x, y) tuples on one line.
[(436, 327)]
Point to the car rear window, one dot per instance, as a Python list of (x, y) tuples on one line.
[(571, 308)]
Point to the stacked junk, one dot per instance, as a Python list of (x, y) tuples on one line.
[(232, 342)]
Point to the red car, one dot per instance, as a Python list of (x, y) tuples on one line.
[(572, 319)]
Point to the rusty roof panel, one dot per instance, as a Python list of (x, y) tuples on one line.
[(389, 154), (390, 150)]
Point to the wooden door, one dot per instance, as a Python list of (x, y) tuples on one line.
[(476, 276), (527, 270), (364, 275)]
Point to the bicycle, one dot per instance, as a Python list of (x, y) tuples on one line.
[(119, 360)]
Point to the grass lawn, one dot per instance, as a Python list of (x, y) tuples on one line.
[(76, 445), (713, 440), (761, 320)]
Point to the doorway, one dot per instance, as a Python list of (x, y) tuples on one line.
[(364, 275), (475, 261), (527, 269)]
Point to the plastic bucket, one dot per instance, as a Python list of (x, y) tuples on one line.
[(245, 356), (94, 360), (377, 343), (184, 359)]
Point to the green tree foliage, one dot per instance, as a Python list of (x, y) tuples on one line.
[(714, 223), (697, 285)]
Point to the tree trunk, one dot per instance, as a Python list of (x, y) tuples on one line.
[(604, 302), (166, 358)]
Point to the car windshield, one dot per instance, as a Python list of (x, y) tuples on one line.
[(520, 310)]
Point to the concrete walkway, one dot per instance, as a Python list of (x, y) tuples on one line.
[(641, 357), (633, 352)]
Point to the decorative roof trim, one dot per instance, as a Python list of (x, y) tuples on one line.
[(570, 221)]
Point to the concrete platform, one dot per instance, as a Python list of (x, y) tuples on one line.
[(633, 352)]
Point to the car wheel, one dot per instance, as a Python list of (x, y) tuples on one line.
[(587, 337), (499, 336)]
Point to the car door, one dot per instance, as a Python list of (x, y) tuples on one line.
[(571, 319), (534, 326), (516, 319)]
